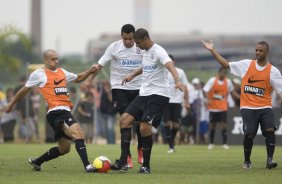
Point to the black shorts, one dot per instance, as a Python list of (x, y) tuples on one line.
[(56, 118), (172, 112), (218, 117), (122, 98), (252, 118), (148, 109)]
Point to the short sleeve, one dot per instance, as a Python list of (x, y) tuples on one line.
[(36, 78), (209, 85), (163, 56), (276, 79), (107, 56), (70, 76), (240, 68)]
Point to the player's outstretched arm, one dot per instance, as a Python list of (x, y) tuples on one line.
[(87, 83), (209, 46), (84, 75), (19, 95)]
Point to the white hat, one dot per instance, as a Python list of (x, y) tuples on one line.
[(196, 81)]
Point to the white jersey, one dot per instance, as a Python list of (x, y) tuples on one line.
[(155, 74), (123, 62), (241, 67), (39, 78), (176, 95)]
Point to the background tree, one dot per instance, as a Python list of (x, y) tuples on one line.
[(15, 53)]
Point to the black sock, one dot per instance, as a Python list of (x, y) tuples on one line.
[(224, 136), (49, 155), (81, 150), (173, 134), (212, 132), (147, 143), (125, 144), (248, 145), (168, 137), (139, 138), (270, 144)]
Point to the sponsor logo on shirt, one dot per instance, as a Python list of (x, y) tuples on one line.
[(129, 63), (61, 91), (150, 68), (58, 82), (253, 81), (254, 90)]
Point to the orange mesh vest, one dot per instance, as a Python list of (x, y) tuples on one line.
[(55, 90), (218, 96), (256, 89)]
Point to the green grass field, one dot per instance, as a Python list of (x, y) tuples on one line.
[(189, 164)]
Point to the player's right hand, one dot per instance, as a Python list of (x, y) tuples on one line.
[(6, 109)]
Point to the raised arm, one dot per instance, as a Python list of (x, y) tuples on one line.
[(210, 47)]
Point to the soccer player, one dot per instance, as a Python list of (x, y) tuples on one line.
[(125, 57), (153, 96), (172, 111), (216, 91), (259, 77), (52, 82)]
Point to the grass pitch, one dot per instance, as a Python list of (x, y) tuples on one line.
[(189, 164)]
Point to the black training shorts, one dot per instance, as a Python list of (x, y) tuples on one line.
[(172, 112), (148, 109), (122, 98), (252, 118), (56, 118), (218, 117)]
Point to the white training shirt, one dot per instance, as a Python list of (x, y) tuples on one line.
[(155, 74), (39, 78), (123, 62), (241, 67), (176, 95)]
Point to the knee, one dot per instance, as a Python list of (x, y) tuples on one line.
[(64, 150), (145, 130), (125, 121), (78, 134)]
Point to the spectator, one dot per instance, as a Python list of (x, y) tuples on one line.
[(201, 112), (108, 113), (8, 120), (86, 116)]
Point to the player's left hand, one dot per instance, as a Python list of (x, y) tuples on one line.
[(180, 85)]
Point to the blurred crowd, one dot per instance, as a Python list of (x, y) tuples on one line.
[(98, 118)]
